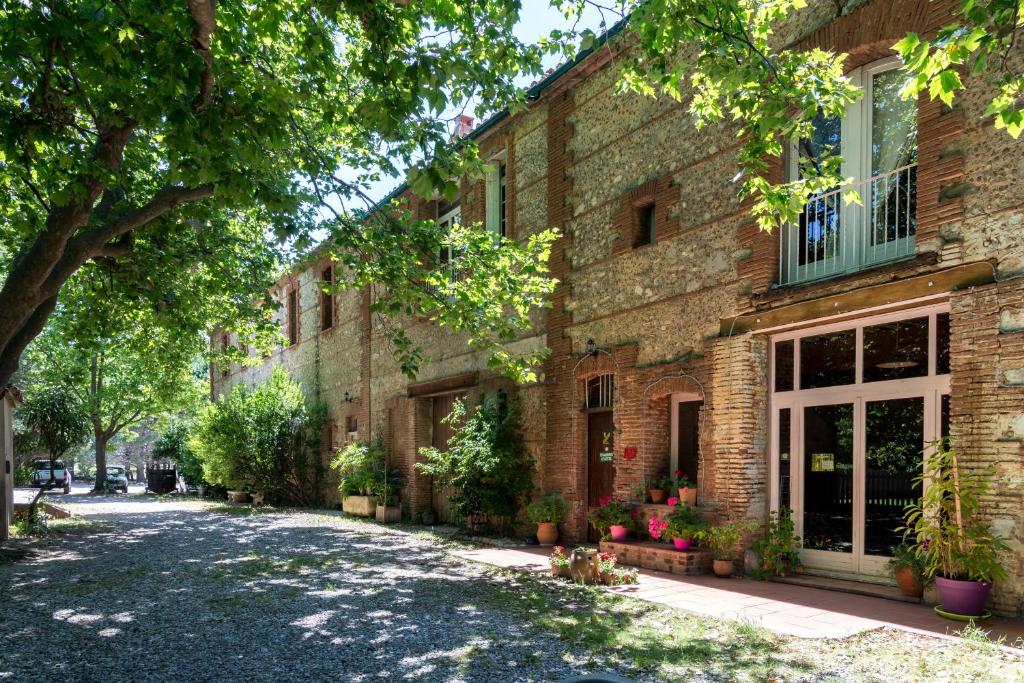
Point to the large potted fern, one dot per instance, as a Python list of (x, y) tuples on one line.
[(956, 545)]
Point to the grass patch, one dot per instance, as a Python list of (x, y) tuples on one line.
[(53, 526), (242, 510)]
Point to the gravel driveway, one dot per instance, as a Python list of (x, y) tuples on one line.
[(179, 590)]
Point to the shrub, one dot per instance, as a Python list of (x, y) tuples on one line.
[(551, 508), (173, 446), (266, 440), (486, 463)]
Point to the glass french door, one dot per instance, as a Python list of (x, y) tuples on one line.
[(851, 420)]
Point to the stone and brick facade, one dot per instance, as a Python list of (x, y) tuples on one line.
[(692, 312)]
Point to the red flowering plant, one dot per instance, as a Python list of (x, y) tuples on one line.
[(606, 562), (679, 480), (610, 512), (558, 557)]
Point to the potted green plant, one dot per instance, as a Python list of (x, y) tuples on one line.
[(546, 513), (683, 525), (723, 541), (657, 489), (612, 519), (687, 489), (955, 544), (908, 569)]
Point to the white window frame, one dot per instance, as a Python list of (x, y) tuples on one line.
[(446, 221), (494, 185), (853, 253)]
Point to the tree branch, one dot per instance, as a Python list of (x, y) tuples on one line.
[(202, 14)]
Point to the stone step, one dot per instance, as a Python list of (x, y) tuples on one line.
[(874, 590)]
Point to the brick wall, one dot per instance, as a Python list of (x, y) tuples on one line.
[(987, 411)]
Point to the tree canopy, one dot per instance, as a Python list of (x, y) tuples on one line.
[(187, 143)]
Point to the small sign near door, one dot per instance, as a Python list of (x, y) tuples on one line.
[(606, 456), (823, 462)]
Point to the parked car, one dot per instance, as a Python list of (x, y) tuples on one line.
[(61, 474), (117, 479)]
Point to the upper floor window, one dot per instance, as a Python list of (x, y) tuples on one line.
[(293, 316), (646, 225), (326, 299), (446, 220), (877, 139), (495, 198)]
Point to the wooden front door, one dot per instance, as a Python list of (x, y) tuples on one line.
[(600, 463), (441, 407)]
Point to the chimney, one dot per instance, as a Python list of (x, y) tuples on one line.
[(464, 126)]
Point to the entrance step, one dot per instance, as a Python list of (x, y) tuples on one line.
[(873, 590)]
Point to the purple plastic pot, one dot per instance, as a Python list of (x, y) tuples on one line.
[(680, 544), (619, 533), (966, 598)]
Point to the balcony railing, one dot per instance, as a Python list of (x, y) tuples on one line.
[(452, 271), (832, 237)]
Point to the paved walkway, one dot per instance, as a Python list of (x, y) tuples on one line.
[(792, 610)]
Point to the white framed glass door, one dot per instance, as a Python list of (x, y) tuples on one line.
[(854, 406)]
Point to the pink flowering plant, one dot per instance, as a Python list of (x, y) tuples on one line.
[(656, 527), (672, 501), (611, 511), (606, 562)]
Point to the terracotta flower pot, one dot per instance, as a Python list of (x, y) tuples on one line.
[(681, 544), (618, 532), (657, 495), (723, 568), (547, 533), (583, 566), (965, 598), (564, 571), (608, 578), (909, 582), (688, 496), (555, 571)]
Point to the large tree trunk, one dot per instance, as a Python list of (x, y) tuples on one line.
[(101, 462)]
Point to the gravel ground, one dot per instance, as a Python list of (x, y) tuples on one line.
[(171, 589)]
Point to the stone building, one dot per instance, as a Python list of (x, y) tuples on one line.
[(805, 368)]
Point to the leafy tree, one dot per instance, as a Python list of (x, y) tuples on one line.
[(173, 445), (264, 440), (148, 134), (486, 463), (120, 369), (58, 417)]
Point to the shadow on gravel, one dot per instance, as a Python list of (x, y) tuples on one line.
[(190, 594)]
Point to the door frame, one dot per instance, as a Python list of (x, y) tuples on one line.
[(931, 388), (673, 407)]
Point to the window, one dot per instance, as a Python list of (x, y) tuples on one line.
[(645, 224), (326, 299), (351, 429), (877, 139), (495, 195), (446, 220), (293, 316), (600, 392)]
